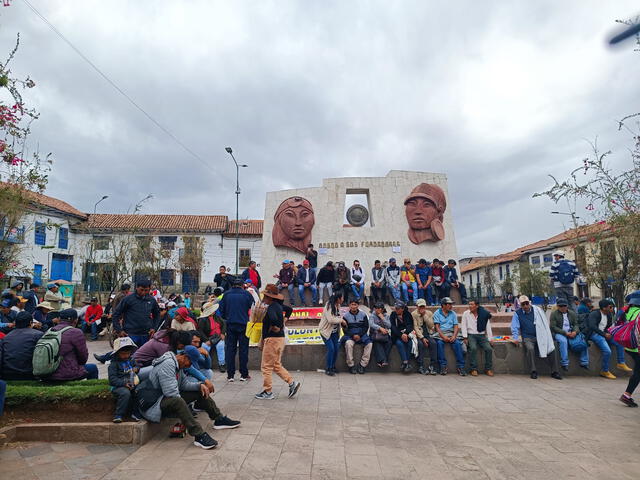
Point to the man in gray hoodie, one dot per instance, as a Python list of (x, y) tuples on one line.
[(168, 392)]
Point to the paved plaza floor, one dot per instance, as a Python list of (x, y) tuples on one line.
[(390, 426)]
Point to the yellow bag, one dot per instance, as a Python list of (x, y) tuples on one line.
[(254, 326)]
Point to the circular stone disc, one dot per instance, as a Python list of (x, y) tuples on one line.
[(437, 229), (357, 215)]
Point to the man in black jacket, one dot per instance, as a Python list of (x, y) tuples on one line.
[(597, 324), (325, 278), (137, 314), (222, 279), (356, 330), (401, 326), (16, 349)]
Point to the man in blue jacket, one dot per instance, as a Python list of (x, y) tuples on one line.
[(234, 309), (451, 280), (307, 280), (137, 314)]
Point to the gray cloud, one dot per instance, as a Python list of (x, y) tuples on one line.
[(495, 95)]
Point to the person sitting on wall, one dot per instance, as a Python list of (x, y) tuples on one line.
[(408, 281), (476, 331), (425, 330), (73, 350), (325, 279), (401, 327), (393, 279), (16, 349), (446, 324), (451, 280), (343, 282), (307, 281), (565, 328), (357, 280), (378, 282), (423, 278), (286, 278), (355, 325)]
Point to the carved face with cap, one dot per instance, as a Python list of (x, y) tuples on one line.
[(424, 209)]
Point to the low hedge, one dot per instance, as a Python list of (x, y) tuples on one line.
[(33, 391)]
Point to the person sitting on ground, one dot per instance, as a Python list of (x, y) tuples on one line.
[(329, 328), (204, 360), (401, 327), (476, 331), (425, 329), (123, 379), (41, 315), (213, 329), (16, 349), (565, 328), (446, 324), (31, 299), (596, 331), (380, 332), (355, 325), (54, 297), (307, 281), (160, 396), (157, 346), (408, 281), (73, 350), (272, 345), (530, 323), (182, 321), (93, 318)]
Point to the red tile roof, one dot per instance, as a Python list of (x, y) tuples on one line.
[(41, 200), (246, 228), (156, 223)]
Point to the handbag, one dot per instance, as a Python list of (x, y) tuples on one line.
[(578, 343), (146, 395), (254, 327), (626, 334)]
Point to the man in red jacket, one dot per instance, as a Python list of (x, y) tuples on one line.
[(93, 317)]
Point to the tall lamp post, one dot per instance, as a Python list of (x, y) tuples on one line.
[(104, 197), (571, 214), (230, 152)]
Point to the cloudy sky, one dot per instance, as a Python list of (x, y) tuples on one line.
[(495, 94)]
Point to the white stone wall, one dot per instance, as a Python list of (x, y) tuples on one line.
[(387, 212)]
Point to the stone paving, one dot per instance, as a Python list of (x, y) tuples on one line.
[(390, 426)]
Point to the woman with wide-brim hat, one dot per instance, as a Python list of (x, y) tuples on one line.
[(214, 329), (272, 344)]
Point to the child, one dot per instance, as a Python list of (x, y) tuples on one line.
[(123, 378)]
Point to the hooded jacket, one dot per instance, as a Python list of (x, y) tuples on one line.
[(16, 353)]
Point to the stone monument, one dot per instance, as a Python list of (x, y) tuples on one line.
[(405, 216)]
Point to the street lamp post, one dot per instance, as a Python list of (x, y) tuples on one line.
[(104, 197), (571, 214), (230, 152)]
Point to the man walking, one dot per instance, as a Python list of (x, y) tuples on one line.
[(137, 314), (234, 309), (476, 331), (563, 273)]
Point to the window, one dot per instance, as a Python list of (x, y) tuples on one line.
[(37, 275), (471, 280), (167, 277), (535, 260), (478, 276), (500, 271), (508, 268), (547, 259), (41, 233), (168, 243), (63, 238), (244, 255), (101, 243), (99, 277)]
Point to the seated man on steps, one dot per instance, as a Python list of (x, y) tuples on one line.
[(446, 323), (530, 323), (564, 325), (476, 331), (356, 330)]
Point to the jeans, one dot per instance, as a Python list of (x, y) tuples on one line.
[(405, 291), (333, 345), (92, 371), (433, 353), (378, 293), (457, 350), (176, 407), (563, 349), (427, 294), (139, 340), (3, 390), (291, 289), (530, 345), (565, 292), (236, 338), (321, 288), (395, 291), (345, 288), (124, 401), (446, 291), (314, 293), (404, 349), (480, 340), (358, 292), (603, 345), (220, 353), (381, 350)]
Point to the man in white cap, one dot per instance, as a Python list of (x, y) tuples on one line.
[(564, 273)]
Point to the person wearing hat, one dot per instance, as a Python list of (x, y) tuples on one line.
[(54, 297), (93, 317), (272, 345), (213, 329), (16, 349), (596, 331), (307, 281), (123, 378), (73, 350), (29, 295), (7, 316), (392, 276), (529, 322), (632, 313), (41, 315), (451, 280), (566, 330), (137, 315), (425, 330), (401, 327), (424, 209), (585, 307), (325, 279), (563, 274), (182, 320), (234, 310), (423, 278), (445, 321)]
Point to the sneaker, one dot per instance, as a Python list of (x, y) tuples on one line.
[(136, 417), (380, 364), (330, 373), (222, 368), (353, 370), (295, 386), (361, 370), (223, 422), (101, 358), (444, 371), (628, 401), (117, 419), (422, 370), (407, 368), (474, 373), (205, 441), (231, 380), (586, 367), (608, 375), (245, 379), (624, 367), (565, 368), (432, 371), (263, 395), (489, 373), (534, 375), (556, 375), (462, 373)]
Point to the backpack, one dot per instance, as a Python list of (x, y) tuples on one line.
[(565, 273), (46, 354), (627, 334)]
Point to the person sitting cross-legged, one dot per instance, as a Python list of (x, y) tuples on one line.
[(446, 323), (530, 323), (476, 331), (355, 325), (564, 325)]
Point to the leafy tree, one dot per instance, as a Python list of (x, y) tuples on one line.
[(531, 280)]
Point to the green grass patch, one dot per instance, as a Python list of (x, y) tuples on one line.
[(31, 391)]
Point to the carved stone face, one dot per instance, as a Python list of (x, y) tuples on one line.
[(420, 213), (424, 208), (293, 223), (297, 221)]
